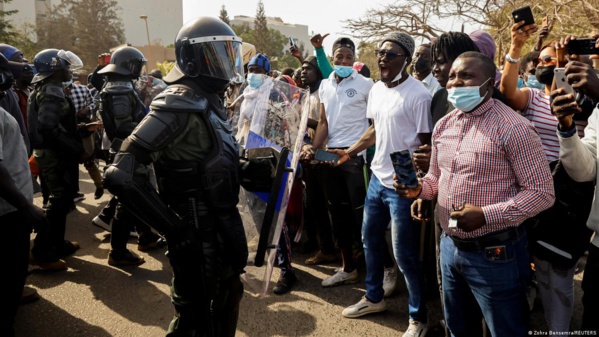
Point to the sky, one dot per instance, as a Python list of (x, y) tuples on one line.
[(321, 16)]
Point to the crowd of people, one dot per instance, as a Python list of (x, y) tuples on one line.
[(506, 159)]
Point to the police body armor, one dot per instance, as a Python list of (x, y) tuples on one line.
[(119, 100), (203, 194), (53, 125)]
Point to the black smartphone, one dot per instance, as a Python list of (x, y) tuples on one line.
[(582, 47), (322, 155), (496, 253), (523, 14), (404, 168)]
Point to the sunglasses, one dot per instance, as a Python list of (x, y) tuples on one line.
[(545, 59), (388, 54)]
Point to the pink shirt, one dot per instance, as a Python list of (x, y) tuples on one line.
[(491, 158), (538, 112)]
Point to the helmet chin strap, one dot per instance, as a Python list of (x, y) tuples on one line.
[(398, 77)]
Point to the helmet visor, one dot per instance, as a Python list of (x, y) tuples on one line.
[(218, 57), (72, 58)]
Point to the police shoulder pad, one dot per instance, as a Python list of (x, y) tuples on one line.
[(118, 87), (53, 89), (179, 98)]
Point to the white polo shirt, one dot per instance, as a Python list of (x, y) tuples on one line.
[(399, 115), (431, 84), (345, 108)]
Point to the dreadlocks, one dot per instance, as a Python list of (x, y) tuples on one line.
[(451, 44)]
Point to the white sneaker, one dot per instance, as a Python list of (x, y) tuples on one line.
[(341, 277), (364, 307), (390, 281), (97, 220), (416, 329)]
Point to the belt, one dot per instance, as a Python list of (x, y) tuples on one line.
[(489, 240)]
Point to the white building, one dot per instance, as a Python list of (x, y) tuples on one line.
[(165, 18), (295, 31)]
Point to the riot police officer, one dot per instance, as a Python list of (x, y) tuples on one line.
[(56, 143), (187, 137), (121, 110)]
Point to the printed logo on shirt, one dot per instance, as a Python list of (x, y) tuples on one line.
[(351, 92)]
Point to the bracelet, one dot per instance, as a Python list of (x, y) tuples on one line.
[(510, 59)]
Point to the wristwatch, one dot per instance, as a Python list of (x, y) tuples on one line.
[(510, 59)]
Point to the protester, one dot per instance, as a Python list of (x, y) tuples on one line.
[(494, 177), (343, 96), (422, 68), (579, 157)]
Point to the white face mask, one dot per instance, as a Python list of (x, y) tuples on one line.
[(398, 77)]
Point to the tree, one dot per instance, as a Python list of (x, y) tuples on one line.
[(261, 31), (86, 27), (224, 15), (8, 34), (428, 19), (367, 56)]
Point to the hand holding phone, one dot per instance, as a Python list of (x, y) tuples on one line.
[(291, 42), (327, 157), (582, 46), (404, 168), (523, 14), (561, 81)]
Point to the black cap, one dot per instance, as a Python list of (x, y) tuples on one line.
[(344, 42)]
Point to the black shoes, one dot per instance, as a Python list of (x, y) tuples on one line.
[(68, 248), (285, 283), (98, 193), (125, 258)]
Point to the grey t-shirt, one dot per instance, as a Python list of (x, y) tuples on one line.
[(13, 155)]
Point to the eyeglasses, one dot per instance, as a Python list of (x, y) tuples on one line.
[(388, 54), (546, 59)]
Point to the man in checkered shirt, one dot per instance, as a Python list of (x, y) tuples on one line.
[(490, 173), (84, 104)]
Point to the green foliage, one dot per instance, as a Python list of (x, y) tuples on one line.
[(8, 34), (86, 27), (367, 56), (165, 67), (261, 31), (224, 15)]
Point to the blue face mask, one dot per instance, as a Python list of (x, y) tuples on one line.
[(466, 98), (520, 83), (343, 71), (532, 82), (255, 80)]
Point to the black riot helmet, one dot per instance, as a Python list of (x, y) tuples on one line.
[(126, 61), (209, 50), (48, 61)]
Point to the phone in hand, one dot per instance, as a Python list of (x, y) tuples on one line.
[(322, 155), (582, 46), (562, 82), (523, 14), (545, 22), (291, 42), (404, 168)]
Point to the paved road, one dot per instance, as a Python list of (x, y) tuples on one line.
[(93, 299)]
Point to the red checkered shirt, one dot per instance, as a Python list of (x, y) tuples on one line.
[(492, 158)]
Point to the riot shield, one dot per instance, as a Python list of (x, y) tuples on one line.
[(269, 122)]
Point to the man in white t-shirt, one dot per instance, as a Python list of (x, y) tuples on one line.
[(343, 97), (400, 108)]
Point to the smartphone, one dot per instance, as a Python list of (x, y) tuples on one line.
[(404, 168), (582, 47), (561, 81), (291, 42), (523, 14), (322, 155), (496, 253)]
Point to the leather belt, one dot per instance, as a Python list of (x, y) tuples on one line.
[(489, 240)]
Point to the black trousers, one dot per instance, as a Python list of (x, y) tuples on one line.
[(590, 287)]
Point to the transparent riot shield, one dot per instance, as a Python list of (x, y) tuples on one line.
[(269, 122)]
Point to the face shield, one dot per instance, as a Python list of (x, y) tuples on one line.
[(215, 56), (71, 58)]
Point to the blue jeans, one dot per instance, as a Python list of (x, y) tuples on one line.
[(498, 286), (381, 206)]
